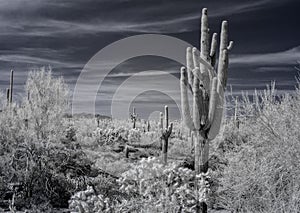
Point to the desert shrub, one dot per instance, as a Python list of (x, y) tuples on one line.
[(179, 148), (134, 135), (262, 174), (45, 105), (39, 153), (112, 164)]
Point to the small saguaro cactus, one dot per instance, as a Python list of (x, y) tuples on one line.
[(166, 132), (207, 87), (133, 117), (28, 95), (7, 95), (148, 126), (11, 86), (98, 120)]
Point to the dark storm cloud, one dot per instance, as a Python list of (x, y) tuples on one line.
[(66, 34)]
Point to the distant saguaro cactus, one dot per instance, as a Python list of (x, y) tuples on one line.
[(11, 86), (133, 117), (7, 96), (166, 132), (148, 126), (207, 87)]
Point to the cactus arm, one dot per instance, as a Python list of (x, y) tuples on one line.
[(169, 130), (204, 39), (212, 102), (166, 117), (196, 57), (218, 115), (206, 64), (230, 45), (186, 114), (203, 61), (223, 69), (189, 65), (222, 81), (197, 102), (213, 49), (205, 81), (197, 74), (223, 37), (223, 54)]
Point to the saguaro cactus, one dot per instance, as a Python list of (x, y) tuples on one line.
[(161, 144), (148, 126), (7, 96), (207, 87), (166, 132), (133, 117), (11, 86)]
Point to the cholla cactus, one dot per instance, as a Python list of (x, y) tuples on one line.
[(88, 201), (166, 132), (207, 87), (164, 188)]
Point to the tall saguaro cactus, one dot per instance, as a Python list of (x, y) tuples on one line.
[(207, 87)]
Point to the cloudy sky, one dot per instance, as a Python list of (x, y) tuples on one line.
[(67, 34)]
